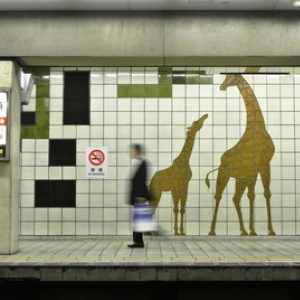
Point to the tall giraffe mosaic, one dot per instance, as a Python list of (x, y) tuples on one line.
[(248, 158)]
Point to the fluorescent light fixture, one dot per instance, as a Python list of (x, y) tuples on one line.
[(27, 82), (296, 3)]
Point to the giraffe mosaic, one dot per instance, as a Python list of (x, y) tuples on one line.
[(149, 105), (248, 158), (176, 178)]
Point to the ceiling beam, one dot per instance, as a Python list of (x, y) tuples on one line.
[(252, 64), (127, 5)]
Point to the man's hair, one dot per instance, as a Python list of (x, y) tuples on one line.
[(137, 147)]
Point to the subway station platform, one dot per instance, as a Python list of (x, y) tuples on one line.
[(162, 259)]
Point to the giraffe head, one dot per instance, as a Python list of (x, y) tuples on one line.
[(196, 125), (230, 80)]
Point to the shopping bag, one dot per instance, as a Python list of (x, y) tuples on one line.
[(143, 219)]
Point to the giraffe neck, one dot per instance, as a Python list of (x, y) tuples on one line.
[(186, 151), (254, 114)]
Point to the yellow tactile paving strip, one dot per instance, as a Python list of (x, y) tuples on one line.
[(49, 259)]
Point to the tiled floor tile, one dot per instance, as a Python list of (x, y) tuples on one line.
[(189, 250)]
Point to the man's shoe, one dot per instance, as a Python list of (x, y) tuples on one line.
[(136, 245)]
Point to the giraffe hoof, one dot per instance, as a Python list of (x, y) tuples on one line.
[(176, 233), (271, 233), (182, 233), (253, 233), (212, 233), (244, 233)]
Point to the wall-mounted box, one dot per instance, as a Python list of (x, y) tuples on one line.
[(4, 124)]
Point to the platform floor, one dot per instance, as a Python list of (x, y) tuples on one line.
[(158, 250), (163, 258)]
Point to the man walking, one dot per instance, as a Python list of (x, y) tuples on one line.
[(139, 193)]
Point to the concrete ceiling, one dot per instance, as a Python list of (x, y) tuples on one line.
[(33, 5)]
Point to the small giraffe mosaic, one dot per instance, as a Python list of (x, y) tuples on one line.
[(176, 178)]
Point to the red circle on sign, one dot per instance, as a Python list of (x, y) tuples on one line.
[(96, 157), (2, 121)]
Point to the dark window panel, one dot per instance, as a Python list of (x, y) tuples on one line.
[(55, 193), (28, 118), (76, 98), (62, 152)]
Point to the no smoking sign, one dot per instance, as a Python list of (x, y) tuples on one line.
[(96, 157), (96, 162)]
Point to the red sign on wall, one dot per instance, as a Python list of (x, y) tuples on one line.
[(96, 162), (96, 157), (4, 95), (3, 121)]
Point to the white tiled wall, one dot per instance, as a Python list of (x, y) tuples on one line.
[(160, 124)]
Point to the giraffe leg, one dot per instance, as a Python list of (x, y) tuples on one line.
[(239, 191), (175, 211), (251, 195), (221, 184), (265, 176), (182, 212)]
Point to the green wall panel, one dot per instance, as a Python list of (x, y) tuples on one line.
[(165, 75), (166, 78), (42, 118), (41, 129), (152, 91), (28, 132), (165, 91), (144, 91), (42, 132)]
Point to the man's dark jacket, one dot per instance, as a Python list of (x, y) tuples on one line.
[(138, 188)]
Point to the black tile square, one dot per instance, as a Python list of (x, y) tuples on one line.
[(76, 110), (62, 152), (55, 193), (28, 118)]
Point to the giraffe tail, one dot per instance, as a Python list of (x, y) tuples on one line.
[(207, 181)]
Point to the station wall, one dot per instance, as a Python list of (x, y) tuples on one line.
[(152, 106)]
